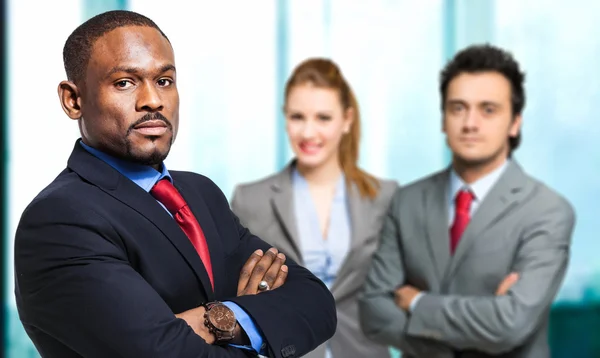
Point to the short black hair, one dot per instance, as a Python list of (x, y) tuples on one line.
[(488, 58), (78, 47)]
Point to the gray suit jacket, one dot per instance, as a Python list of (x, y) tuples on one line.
[(266, 208), (520, 226)]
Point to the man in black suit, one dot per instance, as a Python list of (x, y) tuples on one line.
[(119, 257)]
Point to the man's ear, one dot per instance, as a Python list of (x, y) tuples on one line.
[(70, 99), (515, 126)]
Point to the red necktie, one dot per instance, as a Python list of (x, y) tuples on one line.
[(462, 216), (166, 193)]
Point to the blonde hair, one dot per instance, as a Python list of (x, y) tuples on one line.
[(321, 72)]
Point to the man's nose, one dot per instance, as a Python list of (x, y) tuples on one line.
[(149, 99)]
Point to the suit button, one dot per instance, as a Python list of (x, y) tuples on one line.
[(288, 351)]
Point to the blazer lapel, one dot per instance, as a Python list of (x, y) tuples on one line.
[(436, 216), (360, 213), (283, 206), (113, 183), (360, 217), (503, 196)]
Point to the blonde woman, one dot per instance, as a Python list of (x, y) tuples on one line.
[(322, 210)]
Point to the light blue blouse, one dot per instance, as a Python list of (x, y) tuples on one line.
[(322, 256)]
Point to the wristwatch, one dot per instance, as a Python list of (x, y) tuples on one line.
[(220, 321)]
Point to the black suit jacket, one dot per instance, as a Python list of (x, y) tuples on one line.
[(101, 268)]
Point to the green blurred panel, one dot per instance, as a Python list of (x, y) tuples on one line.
[(466, 22), (575, 330), (282, 68)]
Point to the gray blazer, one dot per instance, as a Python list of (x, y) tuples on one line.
[(266, 208), (521, 226)]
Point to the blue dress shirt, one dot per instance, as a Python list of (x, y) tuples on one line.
[(145, 177), (323, 256)]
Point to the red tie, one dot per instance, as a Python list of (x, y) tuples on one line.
[(462, 216), (166, 193)]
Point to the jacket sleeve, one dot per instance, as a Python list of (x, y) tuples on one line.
[(74, 282), (380, 318), (497, 324)]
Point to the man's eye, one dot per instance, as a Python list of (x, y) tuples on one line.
[(123, 84)]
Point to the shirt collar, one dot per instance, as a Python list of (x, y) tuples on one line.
[(479, 188), (143, 175), (340, 188)]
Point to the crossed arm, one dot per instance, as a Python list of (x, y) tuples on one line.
[(491, 324), (268, 267), (78, 286), (380, 318)]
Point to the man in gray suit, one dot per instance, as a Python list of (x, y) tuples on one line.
[(471, 257)]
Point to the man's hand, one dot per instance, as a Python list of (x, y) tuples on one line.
[(195, 319), (404, 296), (507, 283), (267, 267)]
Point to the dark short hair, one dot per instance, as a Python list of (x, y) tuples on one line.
[(488, 58), (78, 47)]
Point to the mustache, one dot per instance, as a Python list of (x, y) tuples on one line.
[(151, 117)]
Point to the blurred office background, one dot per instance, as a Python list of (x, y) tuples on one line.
[(233, 57)]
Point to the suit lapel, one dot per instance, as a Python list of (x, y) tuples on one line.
[(119, 187), (503, 196), (436, 212), (360, 213), (359, 209), (282, 201)]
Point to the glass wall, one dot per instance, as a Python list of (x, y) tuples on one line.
[(234, 56)]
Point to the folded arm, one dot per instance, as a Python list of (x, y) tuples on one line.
[(76, 285), (296, 317), (380, 318), (301, 313), (497, 324)]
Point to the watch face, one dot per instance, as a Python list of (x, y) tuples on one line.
[(222, 318)]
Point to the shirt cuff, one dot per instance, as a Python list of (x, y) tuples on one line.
[(414, 302), (248, 325)]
